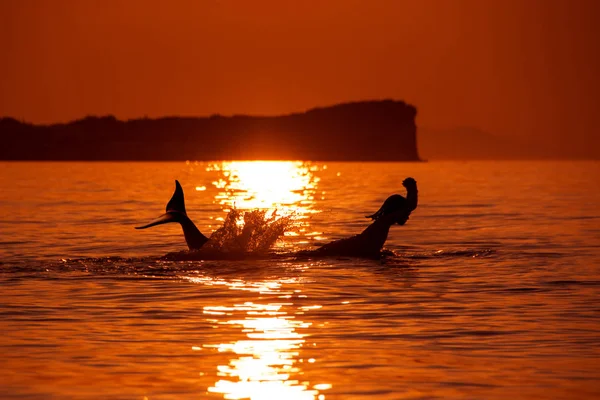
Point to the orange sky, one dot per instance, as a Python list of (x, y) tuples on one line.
[(520, 67)]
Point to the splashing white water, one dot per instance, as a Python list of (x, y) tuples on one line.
[(250, 232)]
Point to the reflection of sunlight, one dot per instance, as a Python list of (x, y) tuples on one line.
[(281, 185), (266, 362)]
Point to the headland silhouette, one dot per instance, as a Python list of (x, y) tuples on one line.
[(380, 130)]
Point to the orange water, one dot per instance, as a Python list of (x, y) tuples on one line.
[(494, 292)]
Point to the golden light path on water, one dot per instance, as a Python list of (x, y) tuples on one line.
[(287, 188), (266, 364)]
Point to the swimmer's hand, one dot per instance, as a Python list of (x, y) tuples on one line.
[(409, 183)]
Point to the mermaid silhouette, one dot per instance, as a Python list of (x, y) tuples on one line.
[(395, 210)]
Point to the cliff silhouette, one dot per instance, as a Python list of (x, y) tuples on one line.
[(382, 130)]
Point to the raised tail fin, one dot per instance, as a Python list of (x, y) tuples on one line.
[(176, 213), (175, 209), (177, 202), (163, 219)]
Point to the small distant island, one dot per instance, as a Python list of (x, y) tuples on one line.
[(381, 130)]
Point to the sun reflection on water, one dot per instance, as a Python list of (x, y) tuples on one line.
[(266, 360), (266, 363), (283, 185)]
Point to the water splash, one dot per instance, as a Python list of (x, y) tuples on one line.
[(249, 232)]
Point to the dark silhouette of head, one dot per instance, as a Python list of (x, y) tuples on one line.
[(392, 204), (397, 202)]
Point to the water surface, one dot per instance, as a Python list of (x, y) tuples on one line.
[(493, 292)]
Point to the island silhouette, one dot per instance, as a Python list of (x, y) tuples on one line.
[(378, 130)]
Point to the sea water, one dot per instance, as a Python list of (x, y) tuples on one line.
[(492, 290)]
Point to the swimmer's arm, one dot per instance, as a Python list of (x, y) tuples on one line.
[(412, 193)]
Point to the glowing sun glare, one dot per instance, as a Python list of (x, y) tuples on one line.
[(281, 185)]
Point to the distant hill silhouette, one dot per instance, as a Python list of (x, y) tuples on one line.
[(467, 143), (370, 130)]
